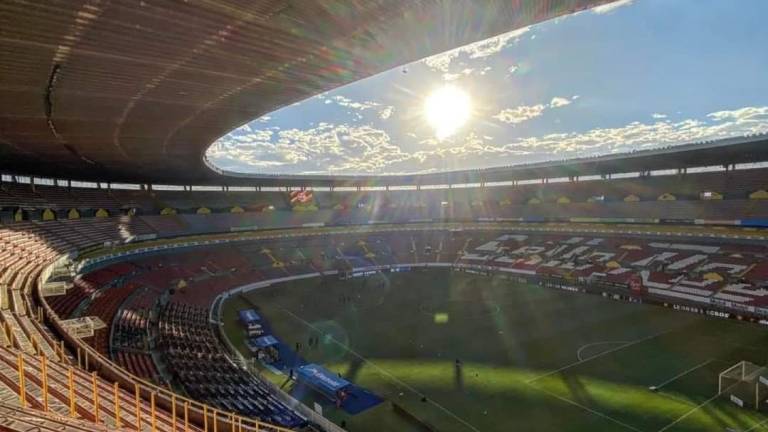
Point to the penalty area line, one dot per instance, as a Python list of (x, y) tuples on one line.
[(684, 373)]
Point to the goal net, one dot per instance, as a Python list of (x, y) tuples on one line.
[(745, 384)]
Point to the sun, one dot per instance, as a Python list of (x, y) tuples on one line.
[(447, 109)]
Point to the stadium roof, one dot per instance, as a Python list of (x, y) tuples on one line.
[(137, 91)]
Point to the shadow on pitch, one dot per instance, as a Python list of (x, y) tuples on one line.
[(578, 390)]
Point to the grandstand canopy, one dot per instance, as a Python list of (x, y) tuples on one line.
[(136, 91)]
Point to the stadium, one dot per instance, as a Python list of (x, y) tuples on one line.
[(144, 286)]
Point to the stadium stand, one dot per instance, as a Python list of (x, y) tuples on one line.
[(728, 277), (27, 246), (104, 309), (200, 365), (718, 196)]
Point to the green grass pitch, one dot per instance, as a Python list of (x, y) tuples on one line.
[(532, 358)]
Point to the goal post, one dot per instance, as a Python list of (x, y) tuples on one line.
[(745, 384), (761, 392), (730, 375)]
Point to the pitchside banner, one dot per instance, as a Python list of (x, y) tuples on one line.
[(755, 222), (322, 379), (737, 401)]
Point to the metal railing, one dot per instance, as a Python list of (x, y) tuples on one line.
[(184, 413)]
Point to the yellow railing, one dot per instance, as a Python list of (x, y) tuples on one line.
[(210, 420), (195, 415)]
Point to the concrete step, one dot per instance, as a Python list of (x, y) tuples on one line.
[(19, 337), (33, 387), (31, 330), (58, 381), (28, 420)]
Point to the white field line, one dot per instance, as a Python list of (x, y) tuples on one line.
[(675, 397), (604, 353), (696, 408), (583, 347), (385, 373), (686, 372), (588, 409), (756, 425)]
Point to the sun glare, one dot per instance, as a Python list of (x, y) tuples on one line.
[(447, 109)]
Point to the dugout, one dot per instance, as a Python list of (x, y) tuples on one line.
[(251, 321), (324, 382), (265, 348)]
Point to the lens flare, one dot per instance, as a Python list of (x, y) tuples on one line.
[(447, 109)]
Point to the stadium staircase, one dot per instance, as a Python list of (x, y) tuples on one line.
[(18, 419)]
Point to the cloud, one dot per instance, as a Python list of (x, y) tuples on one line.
[(253, 136), (638, 135), (455, 76), (349, 103), (363, 149), (386, 112), (493, 45), (742, 115), (658, 116), (266, 163), (526, 112), (465, 72), (383, 111), (472, 143), (326, 147), (558, 102), (484, 48), (441, 62), (610, 7), (520, 114)]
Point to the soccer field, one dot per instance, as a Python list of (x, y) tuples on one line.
[(531, 358)]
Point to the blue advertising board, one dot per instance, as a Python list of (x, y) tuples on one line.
[(249, 316), (265, 341), (257, 343), (322, 379), (755, 222)]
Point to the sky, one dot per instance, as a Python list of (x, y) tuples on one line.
[(631, 75)]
